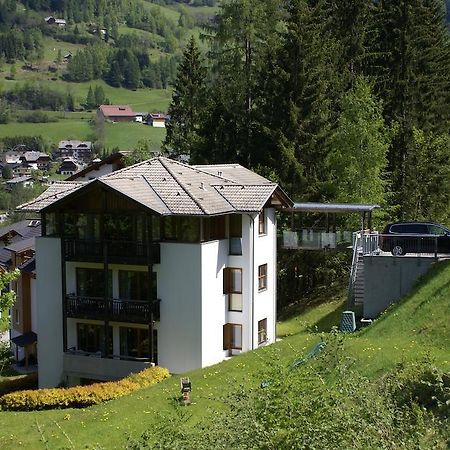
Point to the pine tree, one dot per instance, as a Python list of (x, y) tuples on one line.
[(131, 71), (241, 48), (90, 99), (413, 72), (99, 95), (305, 100), (428, 177), (70, 102), (187, 109), (115, 76)]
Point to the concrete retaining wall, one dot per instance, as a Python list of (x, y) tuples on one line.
[(387, 279)]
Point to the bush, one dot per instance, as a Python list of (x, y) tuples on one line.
[(36, 117), (18, 383), (81, 396)]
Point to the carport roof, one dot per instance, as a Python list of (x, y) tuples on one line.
[(331, 207)]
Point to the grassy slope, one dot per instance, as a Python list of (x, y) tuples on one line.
[(127, 135), (401, 334)]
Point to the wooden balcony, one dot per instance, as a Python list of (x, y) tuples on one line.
[(132, 311), (117, 251)]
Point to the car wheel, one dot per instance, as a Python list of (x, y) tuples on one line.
[(398, 250)]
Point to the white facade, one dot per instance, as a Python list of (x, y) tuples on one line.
[(206, 235), (193, 309)]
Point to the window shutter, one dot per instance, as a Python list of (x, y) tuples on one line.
[(226, 280), (227, 330)]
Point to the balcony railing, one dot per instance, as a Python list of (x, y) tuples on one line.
[(309, 239), (117, 251), (374, 244), (133, 311)]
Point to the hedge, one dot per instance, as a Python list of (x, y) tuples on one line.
[(18, 383), (81, 396)]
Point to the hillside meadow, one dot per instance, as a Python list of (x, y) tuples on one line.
[(414, 330)]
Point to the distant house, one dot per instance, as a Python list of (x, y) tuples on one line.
[(68, 167), (21, 169), (81, 150), (36, 160), (25, 181), (116, 113), (54, 21), (157, 120), (100, 167), (141, 116), (11, 156)]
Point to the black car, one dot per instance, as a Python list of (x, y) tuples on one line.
[(415, 237)]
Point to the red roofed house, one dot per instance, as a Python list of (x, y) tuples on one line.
[(116, 113)]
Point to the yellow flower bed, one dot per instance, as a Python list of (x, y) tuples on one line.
[(81, 396)]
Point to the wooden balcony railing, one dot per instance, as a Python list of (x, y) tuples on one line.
[(117, 251), (133, 311)]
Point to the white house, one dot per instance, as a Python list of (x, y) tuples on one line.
[(159, 262)]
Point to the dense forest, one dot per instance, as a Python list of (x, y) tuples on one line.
[(344, 100)]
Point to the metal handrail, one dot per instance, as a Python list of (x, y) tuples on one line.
[(352, 278), (420, 244)]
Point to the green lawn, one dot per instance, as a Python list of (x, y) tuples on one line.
[(53, 131), (51, 47), (127, 135), (418, 325)]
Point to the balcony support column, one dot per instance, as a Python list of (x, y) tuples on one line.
[(149, 244), (107, 303), (60, 218)]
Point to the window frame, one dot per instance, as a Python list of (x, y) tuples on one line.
[(262, 330), (262, 277), (229, 289), (262, 225), (228, 336)]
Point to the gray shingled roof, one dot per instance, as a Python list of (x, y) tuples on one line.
[(55, 192), (169, 187)]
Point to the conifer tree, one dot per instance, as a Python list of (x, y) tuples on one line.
[(99, 95), (90, 99), (187, 109), (413, 73)]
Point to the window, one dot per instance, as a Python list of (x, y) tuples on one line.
[(262, 222), (232, 336), (262, 331), (91, 282), (262, 277), (134, 343), (232, 286), (437, 230), (235, 233), (16, 316), (213, 228), (181, 229), (133, 285), (91, 338)]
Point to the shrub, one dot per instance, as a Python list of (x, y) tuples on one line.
[(36, 117), (81, 396), (18, 383)]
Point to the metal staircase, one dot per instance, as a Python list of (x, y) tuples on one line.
[(355, 301)]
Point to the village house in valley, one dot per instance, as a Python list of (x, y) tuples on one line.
[(116, 113), (158, 263)]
